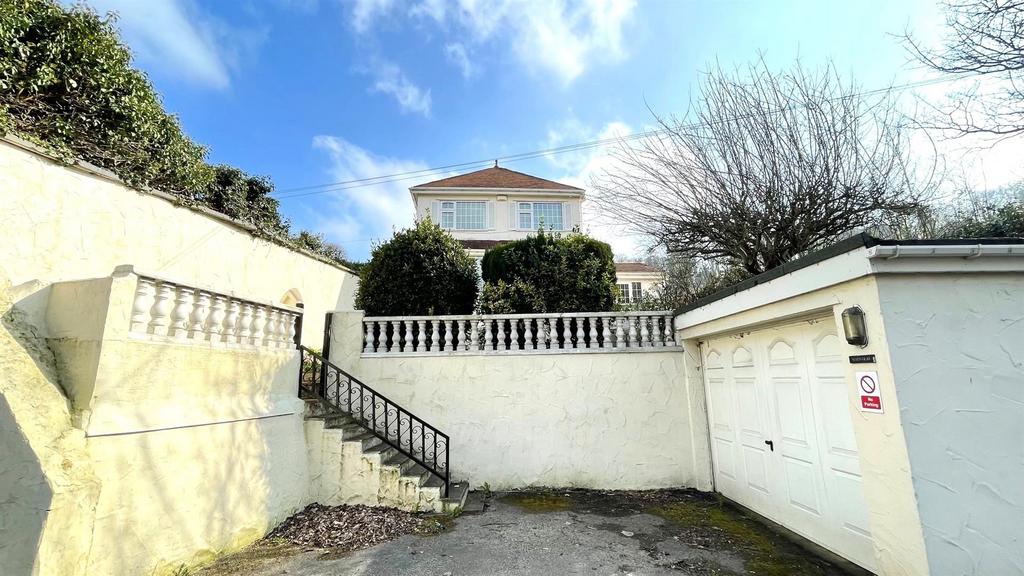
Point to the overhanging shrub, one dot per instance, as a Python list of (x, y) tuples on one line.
[(515, 298), (570, 273), (422, 270), (67, 83)]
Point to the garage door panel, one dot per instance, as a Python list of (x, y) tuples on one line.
[(787, 385)]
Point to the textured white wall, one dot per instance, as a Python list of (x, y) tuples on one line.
[(586, 420), (957, 347), (64, 224)]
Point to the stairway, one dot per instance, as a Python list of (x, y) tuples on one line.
[(350, 465)]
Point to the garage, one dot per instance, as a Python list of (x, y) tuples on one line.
[(782, 439)]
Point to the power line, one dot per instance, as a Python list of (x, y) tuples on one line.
[(314, 189)]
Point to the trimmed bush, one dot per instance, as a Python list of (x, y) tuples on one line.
[(515, 298), (422, 270), (570, 273)]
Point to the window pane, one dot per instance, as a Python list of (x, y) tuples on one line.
[(638, 293), (525, 221), (548, 214), (447, 219), (447, 205), (623, 292), (470, 215)]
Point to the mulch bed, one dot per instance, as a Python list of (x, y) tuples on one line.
[(346, 528)]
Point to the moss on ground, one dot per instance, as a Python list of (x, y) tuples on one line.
[(765, 553), (538, 502)]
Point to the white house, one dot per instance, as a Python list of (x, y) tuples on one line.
[(494, 205), (636, 279)]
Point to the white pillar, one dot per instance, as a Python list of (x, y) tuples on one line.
[(161, 312), (145, 295)]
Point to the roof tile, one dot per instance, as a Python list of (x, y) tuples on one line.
[(497, 177)]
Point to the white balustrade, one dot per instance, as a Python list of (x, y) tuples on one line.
[(171, 311), (590, 332)]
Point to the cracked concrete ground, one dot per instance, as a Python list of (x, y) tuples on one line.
[(566, 532)]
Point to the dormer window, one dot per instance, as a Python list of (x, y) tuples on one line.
[(462, 215), (533, 215)]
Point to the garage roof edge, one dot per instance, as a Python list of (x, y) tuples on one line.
[(863, 240)]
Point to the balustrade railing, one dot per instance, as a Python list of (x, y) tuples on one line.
[(396, 426), (164, 309), (520, 333)]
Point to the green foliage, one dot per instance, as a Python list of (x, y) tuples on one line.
[(515, 298), (247, 198), (67, 82), (422, 270), (1005, 221), (570, 273), (317, 244)]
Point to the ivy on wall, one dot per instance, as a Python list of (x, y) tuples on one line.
[(67, 83)]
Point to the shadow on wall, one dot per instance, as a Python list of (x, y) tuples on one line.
[(25, 496), (183, 495)]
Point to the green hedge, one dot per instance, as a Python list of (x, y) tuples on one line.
[(67, 83), (570, 273), (422, 270)]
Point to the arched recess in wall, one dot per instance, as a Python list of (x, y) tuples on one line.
[(292, 298)]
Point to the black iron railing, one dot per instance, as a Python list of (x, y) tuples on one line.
[(396, 426)]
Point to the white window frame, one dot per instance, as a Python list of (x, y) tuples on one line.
[(451, 208), (636, 291), (623, 294), (523, 208)]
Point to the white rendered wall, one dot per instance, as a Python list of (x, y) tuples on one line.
[(501, 205), (61, 224), (587, 420), (957, 347)]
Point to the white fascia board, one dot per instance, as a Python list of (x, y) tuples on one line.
[(961, 258), (836, 270)]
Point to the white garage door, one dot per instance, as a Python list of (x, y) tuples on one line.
[(781, 434)]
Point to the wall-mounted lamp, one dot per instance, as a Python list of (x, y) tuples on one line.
[(853, 326)]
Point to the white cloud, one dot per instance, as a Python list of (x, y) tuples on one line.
[(389, 79), (175, 36), (354, 216), (559, 37), (364, 12), (458, 55)]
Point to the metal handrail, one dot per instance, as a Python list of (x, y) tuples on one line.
[(379, 415)]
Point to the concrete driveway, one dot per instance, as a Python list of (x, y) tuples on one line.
[(565, 532)]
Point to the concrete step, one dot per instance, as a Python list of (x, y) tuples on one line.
[(400, 461), (475, 503), (456, 500)]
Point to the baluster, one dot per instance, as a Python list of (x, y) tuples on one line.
[(290, 329), (474, 334), (259, 325), (487, 334), (403, 337), (656, 333), (368, 337), (282, 329), (244, 330), (579, 333), (501, 344), (670, 334), (199, 313), (448, 335), (390, 335), (145, 296), (566, 334), (620, 333), (417, 335), (230, 320), (160, 315), (645, 336), (270, 334), (215, 320), (632, 333), (545, 332), (530, 342), (591, 333), (606, 327), (431, 327), (182, 311)]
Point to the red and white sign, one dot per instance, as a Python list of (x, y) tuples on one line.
[(870, 395)]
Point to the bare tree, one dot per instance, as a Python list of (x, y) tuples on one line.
[(984, 38), (765, 168)]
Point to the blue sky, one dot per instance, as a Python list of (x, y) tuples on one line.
[(315, 91)]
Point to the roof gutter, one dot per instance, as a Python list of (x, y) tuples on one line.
[(965, 251)]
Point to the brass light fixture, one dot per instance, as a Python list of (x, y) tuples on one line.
[(854, 328)]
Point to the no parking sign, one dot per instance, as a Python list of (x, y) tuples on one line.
[(870, 395)]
